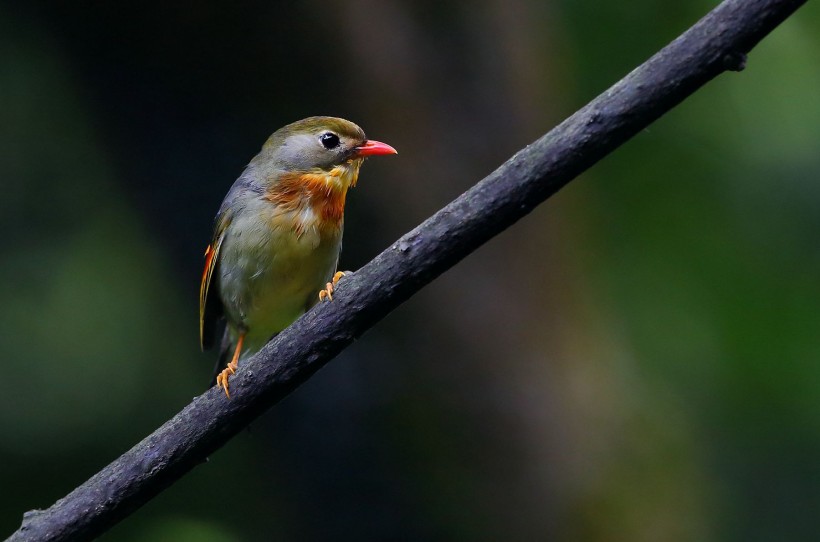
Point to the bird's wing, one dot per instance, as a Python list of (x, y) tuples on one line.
[(210, 307)]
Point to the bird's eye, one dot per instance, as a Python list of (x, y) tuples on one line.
[(329, 140)]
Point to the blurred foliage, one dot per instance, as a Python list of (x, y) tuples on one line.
[(637, 360)]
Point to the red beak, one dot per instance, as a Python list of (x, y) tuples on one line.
[(374, 148)]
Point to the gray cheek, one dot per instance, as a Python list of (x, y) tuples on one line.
[(299, 152)]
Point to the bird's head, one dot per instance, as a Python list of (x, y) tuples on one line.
[(311, 163), (318, 145)]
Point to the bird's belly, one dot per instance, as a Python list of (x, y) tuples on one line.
[(269, 276)]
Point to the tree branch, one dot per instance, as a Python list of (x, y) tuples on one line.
[(717, 43)]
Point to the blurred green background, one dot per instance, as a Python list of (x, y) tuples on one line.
[(639, 359)]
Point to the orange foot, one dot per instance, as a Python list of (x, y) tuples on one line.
[(327, 293), (222, 378)]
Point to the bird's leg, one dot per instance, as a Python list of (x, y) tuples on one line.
[(327, 293), (222, 378)]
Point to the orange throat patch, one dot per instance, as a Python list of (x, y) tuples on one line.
[(321, 192)]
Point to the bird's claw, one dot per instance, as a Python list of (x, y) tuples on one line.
[(222, 378), (327, 293)]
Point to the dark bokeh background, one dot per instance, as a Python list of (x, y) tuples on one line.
[(639, 359)]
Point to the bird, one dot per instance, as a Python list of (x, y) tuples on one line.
[(278, 235)]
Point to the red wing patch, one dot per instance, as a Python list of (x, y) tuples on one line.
[(211, 257)]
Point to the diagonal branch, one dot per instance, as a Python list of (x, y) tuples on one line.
[(717, 43)]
